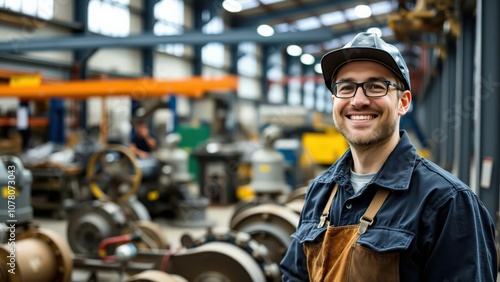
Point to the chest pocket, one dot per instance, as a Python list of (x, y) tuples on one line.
[(375, 256), (386, 240)]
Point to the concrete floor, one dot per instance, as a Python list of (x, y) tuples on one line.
[(220, 215)]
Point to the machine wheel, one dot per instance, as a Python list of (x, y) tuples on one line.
[(297, 194), (295, 201), (116, 174), (152, 236), (155, 276), (270, 225), (224, 255)]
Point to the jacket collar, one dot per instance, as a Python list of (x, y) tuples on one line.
[(395, 172)]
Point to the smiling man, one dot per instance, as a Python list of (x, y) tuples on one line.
[(381, 212)]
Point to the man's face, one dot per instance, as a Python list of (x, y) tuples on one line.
[(142, 130), (367, 121)]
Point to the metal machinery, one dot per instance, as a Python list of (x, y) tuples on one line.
[(114, 233), (270, 222), (217, 256), (28, 253), (267, 218), (114, 178), (427, 16), (218, 162), (268, 166), (167, 193)]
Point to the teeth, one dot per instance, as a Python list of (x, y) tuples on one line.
[(366, 117)]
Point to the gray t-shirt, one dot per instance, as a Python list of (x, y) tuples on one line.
[(359, 181)]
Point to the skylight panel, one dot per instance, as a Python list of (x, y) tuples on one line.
[(282, 27), (268, 2), (380, 8), (332, 44), (308, 23), (312, 48), (350, 14), (248, 4), (332, 18)]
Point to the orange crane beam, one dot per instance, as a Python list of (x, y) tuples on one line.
[(193, 87)]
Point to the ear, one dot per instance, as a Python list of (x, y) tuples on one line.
[(404, 103)]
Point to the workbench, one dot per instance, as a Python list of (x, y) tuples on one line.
[(55, 186)]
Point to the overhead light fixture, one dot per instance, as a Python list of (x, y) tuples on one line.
[(232, 6), (317, 68), (268, 2), (265, 30), (375, 30), (294, 50), (363, 11), (307, 59)]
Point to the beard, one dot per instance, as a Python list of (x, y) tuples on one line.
[(381, 133)]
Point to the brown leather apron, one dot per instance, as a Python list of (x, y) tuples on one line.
[(339, 258)]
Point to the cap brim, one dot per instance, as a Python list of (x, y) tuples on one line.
[(334, 60)]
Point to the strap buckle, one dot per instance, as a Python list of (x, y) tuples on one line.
[(363, 225), (322, 220)]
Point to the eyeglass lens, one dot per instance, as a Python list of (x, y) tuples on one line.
[(371, 88)]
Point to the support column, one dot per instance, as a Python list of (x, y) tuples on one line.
[(81, 57), (487, 100), (448, 99), (462, 114)]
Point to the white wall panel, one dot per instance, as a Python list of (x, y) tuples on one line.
[(117, 60), (63, 10), (135, 23), (203, 110), (171, 67), (249, 88), (167, 66), (248, 117)]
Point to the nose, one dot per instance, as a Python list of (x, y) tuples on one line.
[(359, 99)]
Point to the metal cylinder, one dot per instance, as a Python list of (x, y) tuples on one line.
[(15, 185), (36, 255), (175, 157), (155, 276), (34, 261), (268, 167), (89, 225)]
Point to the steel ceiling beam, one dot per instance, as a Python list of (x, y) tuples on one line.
[(233, 36)]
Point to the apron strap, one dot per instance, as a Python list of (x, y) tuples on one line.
[(367, 218), (326, 211), (377, 202)]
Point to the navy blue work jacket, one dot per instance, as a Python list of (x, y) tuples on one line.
[(441, 229)]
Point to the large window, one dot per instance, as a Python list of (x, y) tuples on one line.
[(309, 85), (169, 15), (109, 17), (247, 59), (274, 75), (294, 84), (212, 54), (43, 9)]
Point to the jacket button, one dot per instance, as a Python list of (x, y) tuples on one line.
[(348, 206)]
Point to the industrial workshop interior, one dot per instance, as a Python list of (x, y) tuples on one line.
[(174, 140)]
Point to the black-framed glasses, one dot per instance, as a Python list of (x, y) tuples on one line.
[(371, 88)]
